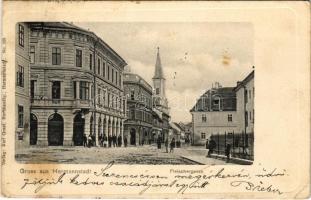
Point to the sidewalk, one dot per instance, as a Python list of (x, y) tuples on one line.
[(202, 160)]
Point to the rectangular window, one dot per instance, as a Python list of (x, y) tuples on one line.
[(132, 114), (56, 56), (20, 116), (120, 80), (250, 115), (32, 88), (112, 74), (109, 99), (104, 97), (84, 90), (250, 94), (21, 35), (74, 89), (91, 62), (78, 58), (20, 76), (230, 118), (116, 77), (157, 90), (203, 117), (203, 135), (132, 94), (98, 66), (104, 69), (32, 54), (56, 90), (98, 97), (108, 71)]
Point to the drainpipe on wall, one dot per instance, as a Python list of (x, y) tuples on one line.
[(94, 89)]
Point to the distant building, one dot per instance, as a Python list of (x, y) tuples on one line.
[(214, 113), (188, 132), (75, 84), (139, 123), (22, 86)]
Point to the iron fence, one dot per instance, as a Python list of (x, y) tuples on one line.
[(242, 144)]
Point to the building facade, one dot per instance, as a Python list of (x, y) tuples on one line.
[(214, 113), (138, 126), (245, 92), (22, 87), (76, 85)]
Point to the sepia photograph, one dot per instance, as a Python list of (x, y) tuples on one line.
[(155, 99), (135, 93)]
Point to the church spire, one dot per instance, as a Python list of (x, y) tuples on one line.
[(158, 74)]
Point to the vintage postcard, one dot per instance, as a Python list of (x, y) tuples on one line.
[(155, 99)]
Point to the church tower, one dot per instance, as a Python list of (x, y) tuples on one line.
[(160, 100)]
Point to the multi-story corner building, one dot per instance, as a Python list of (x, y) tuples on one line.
[(138, 126), (245, 92), (22, 99), (214, 113), (76, 85), (160, 103)]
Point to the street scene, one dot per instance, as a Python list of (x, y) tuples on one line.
[(90, 93)]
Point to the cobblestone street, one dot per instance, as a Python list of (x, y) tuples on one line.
[(148, 154)]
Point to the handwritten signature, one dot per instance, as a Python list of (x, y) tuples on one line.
[(256, 187)]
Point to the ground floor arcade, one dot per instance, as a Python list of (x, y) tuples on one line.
[(50, 127)]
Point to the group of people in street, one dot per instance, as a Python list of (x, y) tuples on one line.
[(211, 145), (172, 144), (104, 141)]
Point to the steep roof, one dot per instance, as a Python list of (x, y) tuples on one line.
[(227, 94), (158, 73), (249, 77)]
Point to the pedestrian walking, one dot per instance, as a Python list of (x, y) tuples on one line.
[(89, 141), (101, 141), (211, 147), (228, 149), (109, 140), (84, 140), (159, 142), (125, 141), (172, 145), (105, 141), (114, 140), (119, 141), (166, 145)]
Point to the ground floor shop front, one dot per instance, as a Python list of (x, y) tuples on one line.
[(61, 127)]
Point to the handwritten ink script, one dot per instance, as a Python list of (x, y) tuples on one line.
[(179, 181)]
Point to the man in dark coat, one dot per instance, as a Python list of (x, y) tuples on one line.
[(109, 140), (125, 141), (119, 141), (114, 140), (228, 149), (211, 147), (84, 140), (172, 145), (159, 142)]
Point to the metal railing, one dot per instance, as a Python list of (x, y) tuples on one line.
[(242, 145)]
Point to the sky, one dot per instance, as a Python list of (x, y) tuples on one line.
[(193, 55)]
